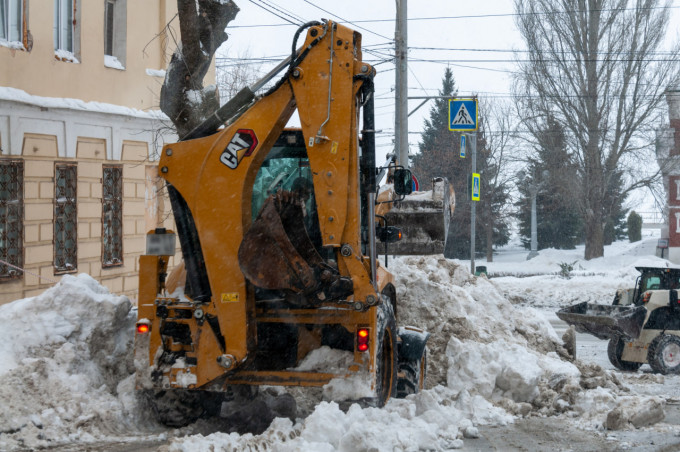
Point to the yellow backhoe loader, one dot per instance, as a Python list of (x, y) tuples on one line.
[(277, 230)]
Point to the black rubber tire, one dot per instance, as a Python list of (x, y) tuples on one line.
[(614, 352), (386, 361), (415, 373), (664, 354)]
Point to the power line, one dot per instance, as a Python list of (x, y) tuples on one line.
[(474, 16), (345, 20), (272, 12)]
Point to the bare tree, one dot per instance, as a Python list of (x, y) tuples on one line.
[(237, 73), (183, 97), (500, 124), (598, 68)]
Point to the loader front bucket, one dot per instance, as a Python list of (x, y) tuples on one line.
[(605, 321), (423, 218)]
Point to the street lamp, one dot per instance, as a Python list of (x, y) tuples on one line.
[(534, 187)]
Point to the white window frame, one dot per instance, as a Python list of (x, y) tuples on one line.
[(66, 30), (12, 9), (115, 33)]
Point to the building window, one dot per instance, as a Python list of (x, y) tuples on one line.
[(115, 33), (112, 216), (11, 20), (66, 30), (65, 219), (63, 25), (11, 219)]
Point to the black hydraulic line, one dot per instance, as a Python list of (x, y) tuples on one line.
[(197, 286), (296, 59), (221, 115)]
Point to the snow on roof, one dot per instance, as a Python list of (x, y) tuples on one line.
[(17, 95)]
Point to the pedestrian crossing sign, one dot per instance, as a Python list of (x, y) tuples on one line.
[(476, 182), (462, 115)]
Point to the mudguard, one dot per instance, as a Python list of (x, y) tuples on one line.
[(412, 343)]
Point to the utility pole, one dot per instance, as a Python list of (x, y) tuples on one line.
[(401, 85)]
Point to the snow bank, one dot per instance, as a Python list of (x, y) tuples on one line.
[(66, 366), (66, 369), (593, 281)]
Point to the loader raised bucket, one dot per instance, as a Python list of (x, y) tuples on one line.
[(423, 218), (605, 321)]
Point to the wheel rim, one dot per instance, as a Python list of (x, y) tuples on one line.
[(671, 355), (385, 367), (423, 367)]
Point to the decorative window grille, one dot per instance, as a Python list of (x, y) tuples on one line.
[(11, 219), (112, 216), (65, 219)]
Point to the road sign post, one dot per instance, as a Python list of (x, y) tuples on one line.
[(462, 146), (463, 118)]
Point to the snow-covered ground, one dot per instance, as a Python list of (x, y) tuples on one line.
[(495, 360)]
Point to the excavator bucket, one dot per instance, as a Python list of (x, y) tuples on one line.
[(605, 321), (276, 252), (423, 217)]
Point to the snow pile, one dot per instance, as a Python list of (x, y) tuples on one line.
[(436, 419), (113, 62), (17, 95), (66, 366)]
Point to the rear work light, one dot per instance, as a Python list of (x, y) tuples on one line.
[(143, 326), (362, 339)]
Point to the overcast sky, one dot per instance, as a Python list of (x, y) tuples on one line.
[(435, 26), (485, 27)]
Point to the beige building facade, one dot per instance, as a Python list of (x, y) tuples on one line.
[(80, 133)]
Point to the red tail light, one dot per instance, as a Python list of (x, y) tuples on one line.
[(362, 339), (143, 328)]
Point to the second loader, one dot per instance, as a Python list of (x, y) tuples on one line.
[(277, 229), (642, 324)]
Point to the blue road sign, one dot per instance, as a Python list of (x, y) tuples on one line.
[(476, 182), (462, 115), (462, 146)]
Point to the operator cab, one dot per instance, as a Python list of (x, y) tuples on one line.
[(655, 278)]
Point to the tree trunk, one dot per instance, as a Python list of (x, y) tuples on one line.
[(594, 235), (183, 97), (489, 241)]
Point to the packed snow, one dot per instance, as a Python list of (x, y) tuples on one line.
[(18, 95), (113, 62), (67, 370)]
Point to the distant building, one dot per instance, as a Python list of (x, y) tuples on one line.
[(80, 132), (668, 157)]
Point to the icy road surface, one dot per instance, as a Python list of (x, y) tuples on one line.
[(499, 378)]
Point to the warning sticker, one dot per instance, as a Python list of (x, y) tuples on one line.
[(231, 297)]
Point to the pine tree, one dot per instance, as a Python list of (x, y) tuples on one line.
[(559, 224), (439, 156)]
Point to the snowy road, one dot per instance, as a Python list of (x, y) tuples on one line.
[(536, 434)]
